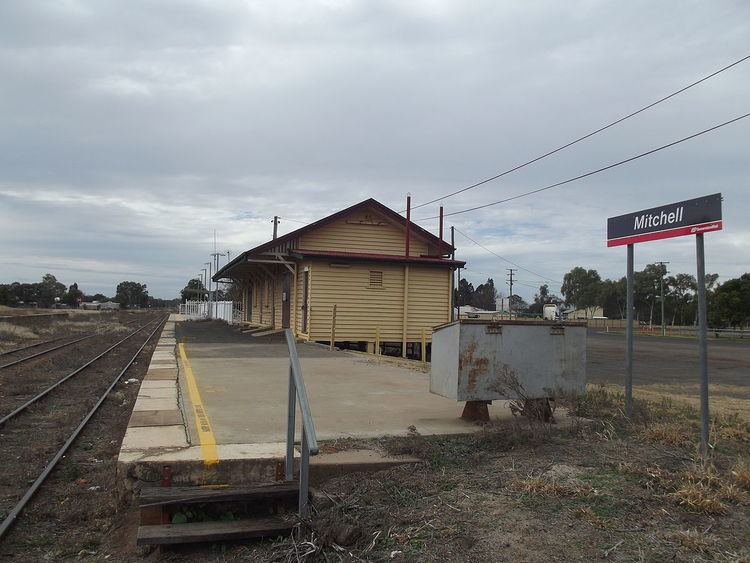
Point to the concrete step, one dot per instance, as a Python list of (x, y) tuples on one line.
[(197, 532), (268, 332), (334, 464), (253, 329)]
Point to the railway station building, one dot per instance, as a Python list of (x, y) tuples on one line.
[(382, 280)]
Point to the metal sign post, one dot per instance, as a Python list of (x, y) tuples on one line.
[(702, 344), (690, 217), (629, 338)]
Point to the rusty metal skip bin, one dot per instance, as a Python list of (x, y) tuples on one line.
[(482, 360)]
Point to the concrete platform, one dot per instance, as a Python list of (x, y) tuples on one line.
[(230, 390)]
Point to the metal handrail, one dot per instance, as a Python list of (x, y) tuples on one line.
[(309, 445)]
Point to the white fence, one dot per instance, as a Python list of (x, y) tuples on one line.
[(227, 311)]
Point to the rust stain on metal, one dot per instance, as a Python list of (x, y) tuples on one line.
[(475, 366)]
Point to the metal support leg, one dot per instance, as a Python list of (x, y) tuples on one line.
[(304, 473), (289, 471), (702, 342), (629, 338)]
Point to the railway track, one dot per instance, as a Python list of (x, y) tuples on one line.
[(76, 338), (21, 428)]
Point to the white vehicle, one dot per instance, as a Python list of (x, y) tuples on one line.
[(551, 312)]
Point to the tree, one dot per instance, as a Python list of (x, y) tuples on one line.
[(72, 296), (48, 290), (542, 298), (731, 303), (485, 296), (682, 290), (132, 294), (646, 289), (193, 290), (464, 293), (518, 305), (581, 288), (613, 298)]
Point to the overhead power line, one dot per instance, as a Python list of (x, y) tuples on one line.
[(592, 172), (294, 220), (584, 137), (505, 259)]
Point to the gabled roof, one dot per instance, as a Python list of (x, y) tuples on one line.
[(368, 203)]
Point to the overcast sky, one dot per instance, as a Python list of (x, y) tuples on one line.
[(130, 130)]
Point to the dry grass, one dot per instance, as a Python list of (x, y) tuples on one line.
[(678, 433), (697, 497), (741, 472), (10, 331), (702, 488), (725, 399), (587, 514), (548, 487), (693, 540)]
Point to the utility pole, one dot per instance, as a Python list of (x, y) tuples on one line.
[(209, 288), (216, 269), (204, 279), (454, 290), (510, 296), (661, 291), (275, 226)]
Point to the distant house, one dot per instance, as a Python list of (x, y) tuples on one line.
[(358, 259), (574, 314), (97, 306), (471, 312)]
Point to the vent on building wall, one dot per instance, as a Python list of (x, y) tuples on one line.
[(376, 278)]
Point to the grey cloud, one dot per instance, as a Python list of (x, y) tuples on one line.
[(182, 117)]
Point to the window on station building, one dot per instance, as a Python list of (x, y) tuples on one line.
[(376, 279)]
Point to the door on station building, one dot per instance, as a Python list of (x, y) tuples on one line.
[(286, 300)]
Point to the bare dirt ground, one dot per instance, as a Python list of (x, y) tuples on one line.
[(605, 489), (669, 367), (30, 329), (77, 506)]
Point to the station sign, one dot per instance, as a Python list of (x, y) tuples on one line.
[(690, 217)]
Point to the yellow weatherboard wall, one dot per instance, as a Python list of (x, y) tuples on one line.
[(359, 307), (369, 233), (398, 297)]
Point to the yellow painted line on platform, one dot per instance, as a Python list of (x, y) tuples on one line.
[(205, 434)]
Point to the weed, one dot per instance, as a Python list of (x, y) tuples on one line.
[(547, 487), (587, 514), (692, 540), (741, 472), (697, 497), (10, 331), (732, 493), (671, 433)]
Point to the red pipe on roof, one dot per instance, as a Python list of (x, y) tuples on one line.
[(440, 236), (408, 220)]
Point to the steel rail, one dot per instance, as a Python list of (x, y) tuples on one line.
[(52, 387), (43, 352), (16, 511)]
